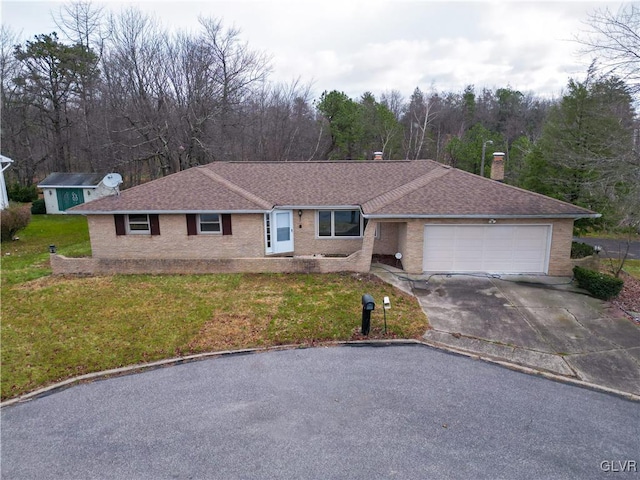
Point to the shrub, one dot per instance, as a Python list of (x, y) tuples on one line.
[(18, 193), (600, 285), (38, 207), (12, 220), (580, 250)]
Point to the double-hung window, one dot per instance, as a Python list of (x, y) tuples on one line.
[(138, 224), (209, 223), (340, 223)]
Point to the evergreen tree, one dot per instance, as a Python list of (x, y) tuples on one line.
[(585, 155)]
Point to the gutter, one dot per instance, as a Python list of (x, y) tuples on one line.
[(156, 212), (182, 212), (67, 186), (484, 216), (317, 207), (329, 207)]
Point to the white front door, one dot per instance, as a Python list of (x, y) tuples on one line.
[(282, 231)]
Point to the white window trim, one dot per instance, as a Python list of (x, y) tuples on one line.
[(333, 236), (138, 232), (206, 232)]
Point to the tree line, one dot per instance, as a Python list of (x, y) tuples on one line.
[(121, 93)]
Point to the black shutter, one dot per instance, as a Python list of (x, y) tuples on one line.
[(192, 227), (121, 229), (155, 224), (226, 224)]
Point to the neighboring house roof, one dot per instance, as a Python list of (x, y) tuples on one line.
[(69, 180), (417, 188)]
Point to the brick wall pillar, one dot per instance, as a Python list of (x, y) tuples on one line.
[(369, 238)]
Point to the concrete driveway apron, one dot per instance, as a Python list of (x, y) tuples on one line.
[(541, 322)]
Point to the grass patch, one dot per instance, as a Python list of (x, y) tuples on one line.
[(54, 328), (28, 258), (632, 267)]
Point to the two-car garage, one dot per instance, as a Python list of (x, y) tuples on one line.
[(487, 248)]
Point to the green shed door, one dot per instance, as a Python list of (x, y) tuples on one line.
[(69, 197)]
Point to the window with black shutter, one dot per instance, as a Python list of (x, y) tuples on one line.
[(121, 228), (226, 224)]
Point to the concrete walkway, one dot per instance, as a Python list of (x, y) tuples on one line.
[(543, 323)]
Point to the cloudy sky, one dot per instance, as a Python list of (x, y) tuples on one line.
[(358, 46)]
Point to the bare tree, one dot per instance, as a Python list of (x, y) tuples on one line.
[(283, 126), (394, 101), (20, 135), (418, 117), (83, 24), (235, 72), (138, 92), (614, 38)]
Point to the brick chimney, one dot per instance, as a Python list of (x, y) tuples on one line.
[(497, 167), (377, 155)]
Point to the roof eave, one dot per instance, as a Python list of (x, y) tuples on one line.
[(317, 207), (67, 186), (157, 212), (180, 212), (476, 216)]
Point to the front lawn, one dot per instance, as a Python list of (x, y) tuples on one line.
[(54, 328), (28, 258)]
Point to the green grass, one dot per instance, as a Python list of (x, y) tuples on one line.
[(28, 258), (632, 267), (54, 328)]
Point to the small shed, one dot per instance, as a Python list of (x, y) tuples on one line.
[(65, 190)]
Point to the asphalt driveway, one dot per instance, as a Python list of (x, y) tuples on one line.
[(342, 412), (613, 248), (544, 323)]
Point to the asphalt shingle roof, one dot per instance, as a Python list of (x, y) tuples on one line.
[(385, 188)]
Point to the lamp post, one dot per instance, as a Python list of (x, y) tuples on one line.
[(484, 149)]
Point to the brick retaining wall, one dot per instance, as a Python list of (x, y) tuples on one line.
[(62, 265)]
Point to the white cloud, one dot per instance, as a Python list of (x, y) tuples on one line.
[(358, 46)]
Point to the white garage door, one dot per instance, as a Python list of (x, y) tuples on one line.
[(486, 248)]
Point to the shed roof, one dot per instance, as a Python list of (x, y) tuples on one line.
[(58, 179), (416, 188)]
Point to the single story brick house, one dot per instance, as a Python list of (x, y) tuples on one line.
[(326, 217)]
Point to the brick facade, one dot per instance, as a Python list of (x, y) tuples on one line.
[(411, 241), (173, 251), (247, 240)]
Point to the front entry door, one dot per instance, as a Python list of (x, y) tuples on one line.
[(283, 230)]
